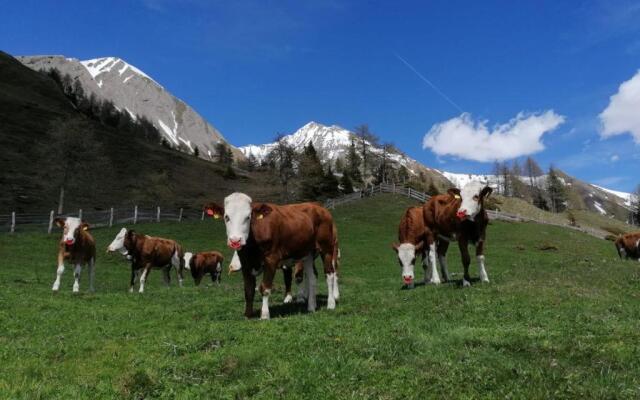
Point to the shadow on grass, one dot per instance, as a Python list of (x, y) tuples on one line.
[(279, 310), (456, 282)]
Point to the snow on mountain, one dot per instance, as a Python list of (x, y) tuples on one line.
[(130, 89), (459, 180), (626, 197)]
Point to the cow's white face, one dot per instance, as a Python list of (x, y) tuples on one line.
[(237, 219), (407, 258), (118, 242), (472, 196), (70, 228), (187, 260)]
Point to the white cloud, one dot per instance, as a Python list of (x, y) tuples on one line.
[(472, 140), (622, 115), (615, 158)]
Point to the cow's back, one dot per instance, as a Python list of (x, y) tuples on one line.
[(412, 225), (160, 251)]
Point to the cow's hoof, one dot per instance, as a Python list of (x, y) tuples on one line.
[(264, 315), (331, 304), (435, 282), (466, 283), (485, 280), (288, 299)]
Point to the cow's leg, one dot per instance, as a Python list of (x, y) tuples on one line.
[(425, 265), (92, 274), (435, 277), (310, 277), (143, 277), (249, 290), (480, 256), (336, 289), (59, 272), (176, 262), (330, 274), (288, 278), (134, 275), (266, 286), (466, 260), (443, 246), (76, 277), (197, 279), (166, 275)]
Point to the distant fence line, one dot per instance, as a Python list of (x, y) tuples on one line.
[(133, 215)]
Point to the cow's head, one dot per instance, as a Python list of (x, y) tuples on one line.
[(122, 242), (407, 253), (471, 199), (188, 256), (239, 213), (71, 228)]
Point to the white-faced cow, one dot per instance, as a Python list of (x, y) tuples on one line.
[(147, 252), (266, 236), (200, 264), (628, 246), (78, 246), (415, 239), (459, 215)]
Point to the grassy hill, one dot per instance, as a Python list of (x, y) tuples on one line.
[(140, 171), (551, 324)]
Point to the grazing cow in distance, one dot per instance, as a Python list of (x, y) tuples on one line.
[(460, 215), (628, 246), (268, 235), (78, 246), (414, 239), (147, 252), (200, 264)]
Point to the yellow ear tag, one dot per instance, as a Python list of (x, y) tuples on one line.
[(260, 216), (216, 216), (457, 196), (84, 228)]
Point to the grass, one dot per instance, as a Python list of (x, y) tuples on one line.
[(551, 324)]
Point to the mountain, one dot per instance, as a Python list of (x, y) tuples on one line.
[(130, 89), (133, 171), (332, 143)]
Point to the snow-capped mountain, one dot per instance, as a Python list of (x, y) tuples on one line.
[(130, 89), (332, 142)]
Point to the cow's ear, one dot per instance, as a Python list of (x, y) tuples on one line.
[(484, 193), (213, 210), (59, 222), (454, 192), (395, 246), (84, 226), (261, 210)]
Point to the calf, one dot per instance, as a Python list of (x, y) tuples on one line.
[(148, 252), (414, 239), (78, 246), (267, 235), (459, 215), (200, 264), (628, 246)]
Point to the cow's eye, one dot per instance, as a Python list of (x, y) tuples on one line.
[(476, 198), (246, 219), (226, 218)]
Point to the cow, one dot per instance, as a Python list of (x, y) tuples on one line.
[(414, 239), (266, 236), (628, 246), (287, 270), (200, 264), (78, 247), (148, 252), (459, 215)]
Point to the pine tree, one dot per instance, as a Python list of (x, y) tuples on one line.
[(365, 139), (330, 185), (281, 159), (252, 162), (347, 185), (353, 164), (634, 213), (311, 174), (556, 190), (196, 151)]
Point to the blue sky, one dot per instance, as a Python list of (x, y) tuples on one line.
[(254, 68)]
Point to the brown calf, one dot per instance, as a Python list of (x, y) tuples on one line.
[(149, 252), (269, 235), (628, 246), (200, 264), (459, 215), (78, 246), (414, 239)]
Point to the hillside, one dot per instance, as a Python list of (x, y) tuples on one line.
[(130, 89), (551, 324), (138, 171)]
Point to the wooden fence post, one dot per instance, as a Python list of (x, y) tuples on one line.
[(158, 214), (180, 216), (135, 215), (111, 217), (50, 222), (13, 221), (202, 218), (80, 214)]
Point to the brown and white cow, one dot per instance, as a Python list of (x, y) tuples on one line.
[(78, 246), (459, 215), (414, 239), (200, 264), (628, 246), (147, 252), (267, 236)]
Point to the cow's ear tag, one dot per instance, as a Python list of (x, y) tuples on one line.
[(216, 216), (85, 228), (457, 196), (260, 216)]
